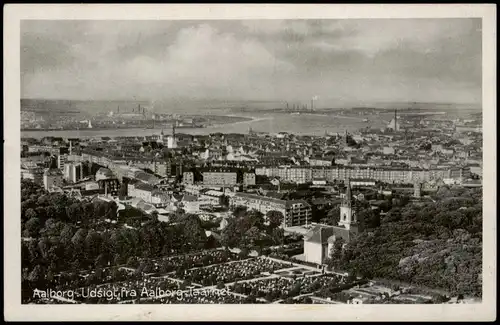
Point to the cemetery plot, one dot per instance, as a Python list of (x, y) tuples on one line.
[(297, 272), (280, 288), (185, 262), (232, 271)]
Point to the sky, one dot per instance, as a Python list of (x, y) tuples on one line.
[(429, 60)]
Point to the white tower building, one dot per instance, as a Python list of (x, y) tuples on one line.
[(172, 141), (347, 217)]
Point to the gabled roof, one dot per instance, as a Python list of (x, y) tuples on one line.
[(325, 234), (319, 234), (144, 187), (341, 232)]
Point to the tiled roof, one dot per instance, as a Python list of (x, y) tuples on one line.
[(319, 234), (144, 187), (324, 234)]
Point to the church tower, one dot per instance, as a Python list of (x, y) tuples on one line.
[(172, 141), (162, 135), (347, 217)]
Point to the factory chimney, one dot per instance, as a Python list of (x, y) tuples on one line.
[(395, 120)]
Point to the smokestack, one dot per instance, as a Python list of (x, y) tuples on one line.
[(395, 120), (312, 104)]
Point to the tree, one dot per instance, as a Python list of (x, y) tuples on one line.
[(74, 212), (335, 259), (30, 213), (230, 236), (101, 261), (334, 215), (253, 235), (145, 266), (67, 233), (194, 231), (52, 228), (275, 218), (244, 252), (255, 218), (278, 236), (154, 216), (240, 211), (37, 275), (132, 262), (369, 218), (251, 299), (33, 226), (92, 243), (224, 201)]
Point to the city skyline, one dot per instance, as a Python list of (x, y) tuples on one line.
[(373, 60)]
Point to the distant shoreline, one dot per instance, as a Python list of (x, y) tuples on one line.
[(97, 132), (135, 127)]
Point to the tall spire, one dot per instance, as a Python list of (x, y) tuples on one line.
[(348, 195)]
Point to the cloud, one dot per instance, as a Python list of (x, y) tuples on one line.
[(421, 59)]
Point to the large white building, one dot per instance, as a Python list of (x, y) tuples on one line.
[(319, 241), (172, 140), (73, 172)]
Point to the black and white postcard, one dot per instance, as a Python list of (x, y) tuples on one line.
[(250, 162)]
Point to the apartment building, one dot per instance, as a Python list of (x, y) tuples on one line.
[(296, 213), (73, 172), (248, 179), (188, 178), (162, 168), (219, 178), (383, 174), (141, 190)]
